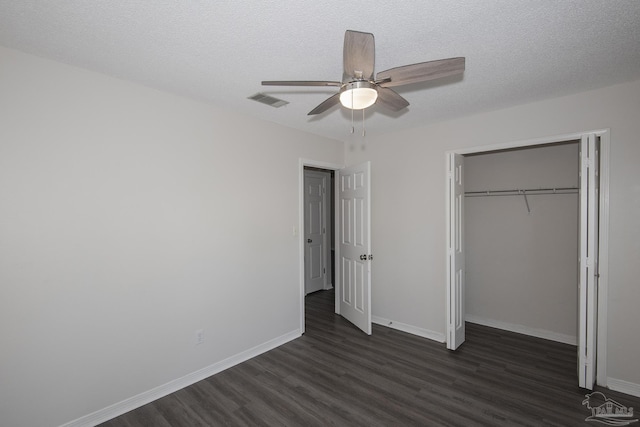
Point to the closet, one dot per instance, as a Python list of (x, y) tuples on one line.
[(521, 228)]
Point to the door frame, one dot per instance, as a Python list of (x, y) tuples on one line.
[(603, 222), (297, 232)]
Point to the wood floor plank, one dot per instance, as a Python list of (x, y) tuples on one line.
[(335, 375)]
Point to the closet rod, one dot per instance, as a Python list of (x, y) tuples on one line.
[(520, 192)]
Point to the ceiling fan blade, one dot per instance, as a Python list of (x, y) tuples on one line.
[(420, 72), (325, 105), (358, 56), (299, 83), (390, 99)]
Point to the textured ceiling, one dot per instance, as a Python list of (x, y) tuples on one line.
[(219, 51)]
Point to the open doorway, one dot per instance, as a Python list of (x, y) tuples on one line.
[(351, 259), (593, 235), (300, 232), (521, 222)]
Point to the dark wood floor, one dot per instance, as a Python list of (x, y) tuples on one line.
[(336, 375)]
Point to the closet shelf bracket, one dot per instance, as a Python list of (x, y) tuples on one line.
[(526, 201)]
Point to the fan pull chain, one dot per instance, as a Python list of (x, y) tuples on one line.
[(352, 126), (363, 131)]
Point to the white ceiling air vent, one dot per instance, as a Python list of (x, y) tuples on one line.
[(269, 100)]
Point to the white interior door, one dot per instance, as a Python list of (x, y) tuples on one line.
[(354, 198), (315, 184), (588, 272), (455, 249)]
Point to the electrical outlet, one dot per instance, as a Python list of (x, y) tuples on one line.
[(199, 336)]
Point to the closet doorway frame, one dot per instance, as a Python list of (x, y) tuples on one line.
[(298, 231), (603, 223)]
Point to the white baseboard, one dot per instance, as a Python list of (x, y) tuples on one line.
[(156, 393), (624, 386), (424, 333), (539, 333)]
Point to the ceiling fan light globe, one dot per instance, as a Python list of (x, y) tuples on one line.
[(358, 95)]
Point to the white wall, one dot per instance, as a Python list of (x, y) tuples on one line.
[(408, 203), (522, 267), (130, 218)]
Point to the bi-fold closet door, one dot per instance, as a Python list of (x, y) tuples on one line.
[(589, 273)]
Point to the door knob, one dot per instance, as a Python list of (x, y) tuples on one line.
[(309, 240), (363, 257)]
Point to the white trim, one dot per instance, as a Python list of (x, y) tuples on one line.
[(337, 285), (603, 261), (624, 386), (320, 165), (529, 142), (156, 393), (521, 329), (414, 330), (603, 289), (300, 227)]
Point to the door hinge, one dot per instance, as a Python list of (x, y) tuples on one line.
[(324, 270)]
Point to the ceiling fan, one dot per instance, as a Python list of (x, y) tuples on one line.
[(360, 87)]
